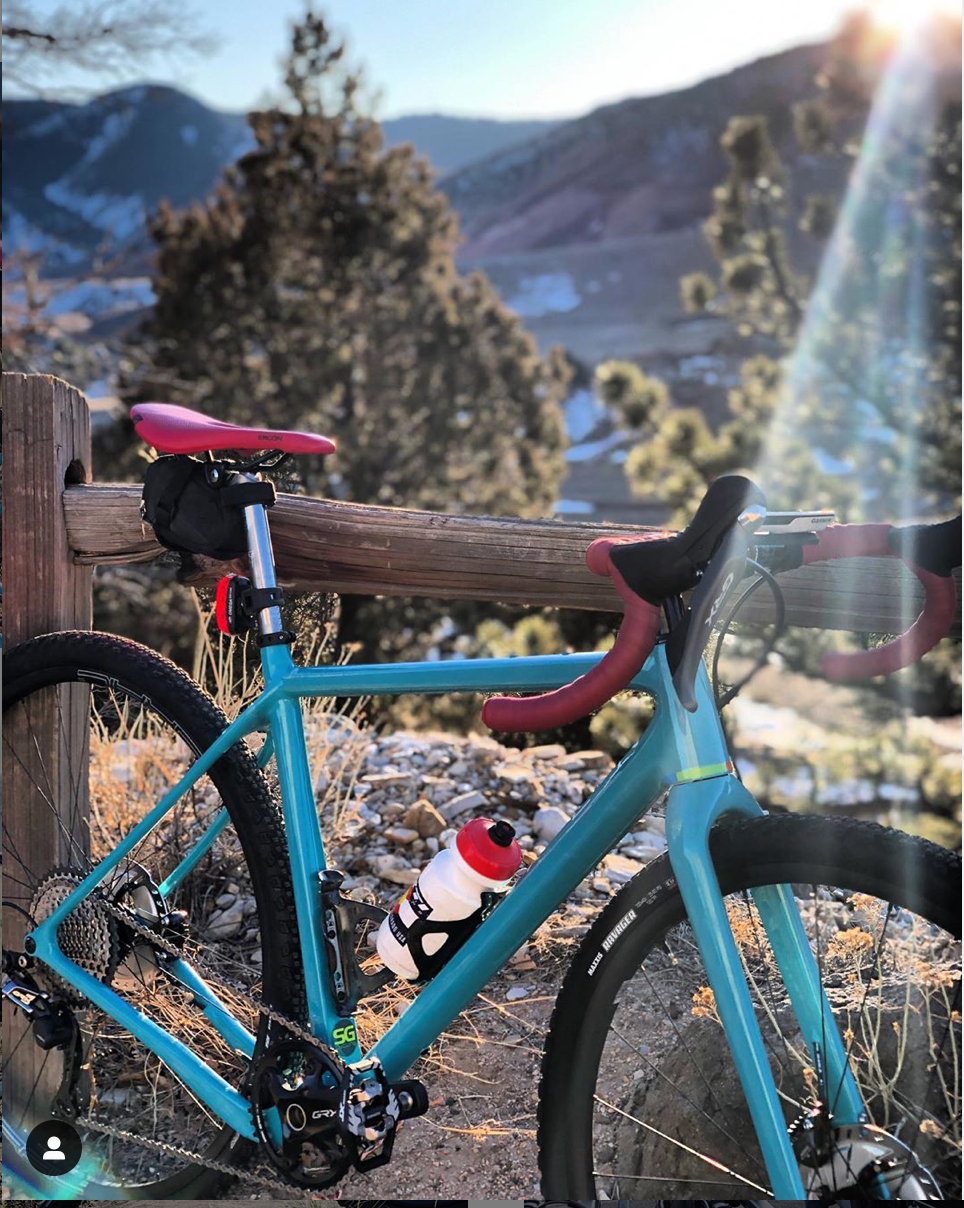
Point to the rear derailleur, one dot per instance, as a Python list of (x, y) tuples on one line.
[(316, 1117), (53, 1024)]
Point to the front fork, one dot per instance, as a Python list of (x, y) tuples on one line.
[(692, 810)]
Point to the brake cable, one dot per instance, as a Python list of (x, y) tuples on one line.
[(763, 576)]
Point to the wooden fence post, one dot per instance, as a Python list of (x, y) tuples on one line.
[(46, 426)]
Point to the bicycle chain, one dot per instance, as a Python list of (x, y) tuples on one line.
[(131, 920), (196, 1159), (94, 1125)]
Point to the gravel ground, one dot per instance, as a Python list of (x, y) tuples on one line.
[(399, 798)]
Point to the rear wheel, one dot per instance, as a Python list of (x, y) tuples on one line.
[(136, 725), (639, 1095)]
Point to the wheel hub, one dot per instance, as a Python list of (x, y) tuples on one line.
[(862, 1156)]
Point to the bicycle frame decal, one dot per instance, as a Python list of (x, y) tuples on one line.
[(682, 753)]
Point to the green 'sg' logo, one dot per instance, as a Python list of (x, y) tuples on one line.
[(345, 1036)]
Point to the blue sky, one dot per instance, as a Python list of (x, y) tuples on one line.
[(501, 58)]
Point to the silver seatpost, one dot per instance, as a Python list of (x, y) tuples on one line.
[(261, 557)]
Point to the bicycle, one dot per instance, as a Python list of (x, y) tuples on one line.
[(179, 1033)]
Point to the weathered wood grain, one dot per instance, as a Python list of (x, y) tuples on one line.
[(46, 432), (362, 549)]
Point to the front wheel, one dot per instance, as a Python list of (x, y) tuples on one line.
[(639, 1094)]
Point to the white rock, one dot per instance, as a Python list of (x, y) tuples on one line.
[(225, 923), (388, 780), (549, 821), (515, 993), (620, 869), (580, 761), (456, 806), (402, 835), (549, 750), (401, 876)]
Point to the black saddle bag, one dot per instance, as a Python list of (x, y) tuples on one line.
[(189, 505)]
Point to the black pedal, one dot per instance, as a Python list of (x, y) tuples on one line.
[(372, 1108), (412, 1098)]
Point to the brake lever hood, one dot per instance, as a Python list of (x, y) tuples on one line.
[(686, 643)]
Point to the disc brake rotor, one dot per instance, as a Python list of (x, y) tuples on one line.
[(864, 1155)]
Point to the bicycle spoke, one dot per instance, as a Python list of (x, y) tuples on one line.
[(715, 1123), (681, 1145), (682, 1039)]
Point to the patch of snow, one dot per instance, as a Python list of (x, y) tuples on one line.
[(120, 216), (548, 293), (116, 125), (582, 411), (593, 448), (702, 367), (189, 135), (574, 507), (20, 235), (828, 464), (48, 124), (98, 298), (98, 389)]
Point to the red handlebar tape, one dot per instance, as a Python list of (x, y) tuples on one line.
[(936, 617), (634, 642)]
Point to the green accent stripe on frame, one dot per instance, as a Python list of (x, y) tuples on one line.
[(710, 769)]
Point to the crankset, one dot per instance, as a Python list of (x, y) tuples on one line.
[(316, 1117)]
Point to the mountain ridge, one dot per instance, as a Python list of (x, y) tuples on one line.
[(79, 176), (634, 167)]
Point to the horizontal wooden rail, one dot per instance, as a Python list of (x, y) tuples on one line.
[(359, 549)]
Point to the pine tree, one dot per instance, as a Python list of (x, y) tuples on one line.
[(840, 375), (317, 288)]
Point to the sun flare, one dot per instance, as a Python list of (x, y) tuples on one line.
[(906, 15)]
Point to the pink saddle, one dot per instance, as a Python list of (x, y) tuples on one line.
[(173, 429)]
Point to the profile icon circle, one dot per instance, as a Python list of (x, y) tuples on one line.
[(54, 1147)]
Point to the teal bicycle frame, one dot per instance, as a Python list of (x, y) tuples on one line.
[(681, 754)]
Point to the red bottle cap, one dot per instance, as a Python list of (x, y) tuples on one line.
[(489, 848)]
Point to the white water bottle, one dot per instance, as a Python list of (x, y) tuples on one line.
[(483, 859)]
